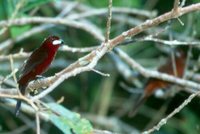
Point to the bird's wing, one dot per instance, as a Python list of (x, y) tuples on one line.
[(37, 57), (179, 63)]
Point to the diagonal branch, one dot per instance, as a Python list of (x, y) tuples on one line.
[(89, 61), (164, 120), (155, 74)]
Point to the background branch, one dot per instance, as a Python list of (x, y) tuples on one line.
[(100, 98)]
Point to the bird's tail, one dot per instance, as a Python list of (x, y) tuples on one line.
[(18, 105), (137, 105)]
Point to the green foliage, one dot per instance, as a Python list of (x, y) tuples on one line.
[(8, 7), (15, 31), (68, 122), (31, 4), (190, 123), (104, 3)]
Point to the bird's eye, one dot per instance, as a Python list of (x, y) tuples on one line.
[(62, 42)]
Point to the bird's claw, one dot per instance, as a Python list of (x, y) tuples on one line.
[(33, 92)]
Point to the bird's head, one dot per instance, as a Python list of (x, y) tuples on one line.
[(52, 42)]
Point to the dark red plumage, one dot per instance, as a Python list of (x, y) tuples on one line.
[(37, 63), (154, 84)]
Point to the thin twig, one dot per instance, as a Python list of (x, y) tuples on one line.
[(168, 42), (94, 56), (20, 97), (123, 10), (18, 6), (51, 20), (37, 117), (177, 110), (10, 91), (9, 42), (156, 74), (173, 57), (102, 132), (183, 3), (176, 5), (14, 56), (75, 50), (13, 69), (12, 74), (101, 73), (108, 25)]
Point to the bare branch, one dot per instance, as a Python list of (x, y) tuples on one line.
[(15, 56), (18, 6), (183, 3), (177, 110), (20, 97), (88, 62), (108, 25), (61, 21), (156, 74), (153, 22), (91, 59), (37, 117), (100, 73), (169, 42), (13, 69), (94, 12), (75, 50), (176, 5)]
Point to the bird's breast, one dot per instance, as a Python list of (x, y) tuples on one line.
[(41, 68)]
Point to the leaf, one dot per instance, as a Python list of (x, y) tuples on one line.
[(16, 31), (68, 122), (7, 7)]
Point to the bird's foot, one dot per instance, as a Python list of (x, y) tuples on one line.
[(33, 92), (38, 78)]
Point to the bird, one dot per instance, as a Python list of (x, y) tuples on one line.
[(37, 63), (154, 84)]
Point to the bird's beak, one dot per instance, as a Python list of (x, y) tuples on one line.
[(62, 42)]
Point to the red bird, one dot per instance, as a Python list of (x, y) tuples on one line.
[(154, 84), (37, 63)]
